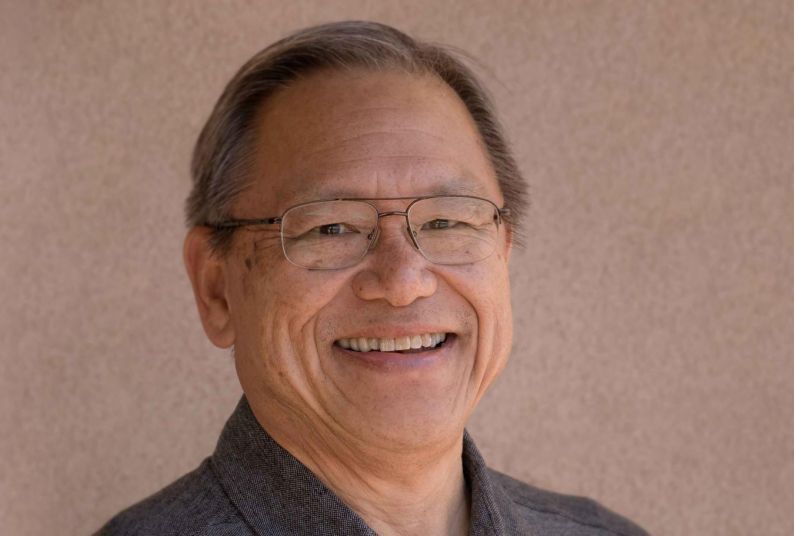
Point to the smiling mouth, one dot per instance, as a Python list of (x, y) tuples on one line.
[(404, 345)]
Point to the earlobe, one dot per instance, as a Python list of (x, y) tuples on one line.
[(207, 274)]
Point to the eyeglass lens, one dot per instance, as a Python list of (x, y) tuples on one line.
[(337, 234)]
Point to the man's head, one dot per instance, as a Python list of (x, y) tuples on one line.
[(353, 110)]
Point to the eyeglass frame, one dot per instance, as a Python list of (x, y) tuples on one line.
[(502, 214)]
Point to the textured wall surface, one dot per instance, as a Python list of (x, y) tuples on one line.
[(652, 365)]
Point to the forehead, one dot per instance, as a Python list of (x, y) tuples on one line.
[(364, 134)]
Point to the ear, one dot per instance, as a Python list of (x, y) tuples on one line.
[(207, 272)]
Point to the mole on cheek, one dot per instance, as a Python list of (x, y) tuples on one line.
[(249, 263)]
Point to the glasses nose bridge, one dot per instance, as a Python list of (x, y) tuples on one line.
[(404, 214)]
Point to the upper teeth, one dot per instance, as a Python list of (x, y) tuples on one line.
[(386, 344)]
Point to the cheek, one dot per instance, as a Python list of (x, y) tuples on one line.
[(282, 304), (503, 314), (497, 329), (275, 350), (489, 290)]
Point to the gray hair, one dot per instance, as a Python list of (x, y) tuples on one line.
[(222, 155)]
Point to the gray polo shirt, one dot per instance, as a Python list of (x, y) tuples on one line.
[(252, 486)]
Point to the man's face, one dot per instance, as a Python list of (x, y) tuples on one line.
[(366, 135)]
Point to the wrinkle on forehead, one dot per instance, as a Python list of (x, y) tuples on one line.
[(342, 140), (443, 186), (410, 130)]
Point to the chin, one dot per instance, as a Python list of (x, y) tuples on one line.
[(408, 417)]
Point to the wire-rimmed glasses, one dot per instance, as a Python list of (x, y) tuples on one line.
[(338, 233)]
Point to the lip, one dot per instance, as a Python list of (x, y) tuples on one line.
[(393, 361)]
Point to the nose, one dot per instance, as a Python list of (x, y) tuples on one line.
[(395, 271)]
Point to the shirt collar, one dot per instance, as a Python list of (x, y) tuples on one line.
[(274, 491)]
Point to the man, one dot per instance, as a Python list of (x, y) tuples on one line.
[(352, 215)]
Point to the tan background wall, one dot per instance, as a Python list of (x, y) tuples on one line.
[(655, 321)]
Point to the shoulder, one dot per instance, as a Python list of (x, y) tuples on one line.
[(566, 513), (194, 504)]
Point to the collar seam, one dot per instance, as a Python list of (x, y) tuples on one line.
[(217, 473), (551, 511)]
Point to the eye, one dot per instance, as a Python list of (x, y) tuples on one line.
[(439, 224), (333, 229)]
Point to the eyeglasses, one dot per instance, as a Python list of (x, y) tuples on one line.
[(338, 233)]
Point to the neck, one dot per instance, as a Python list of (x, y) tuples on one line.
[(398, 491)]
